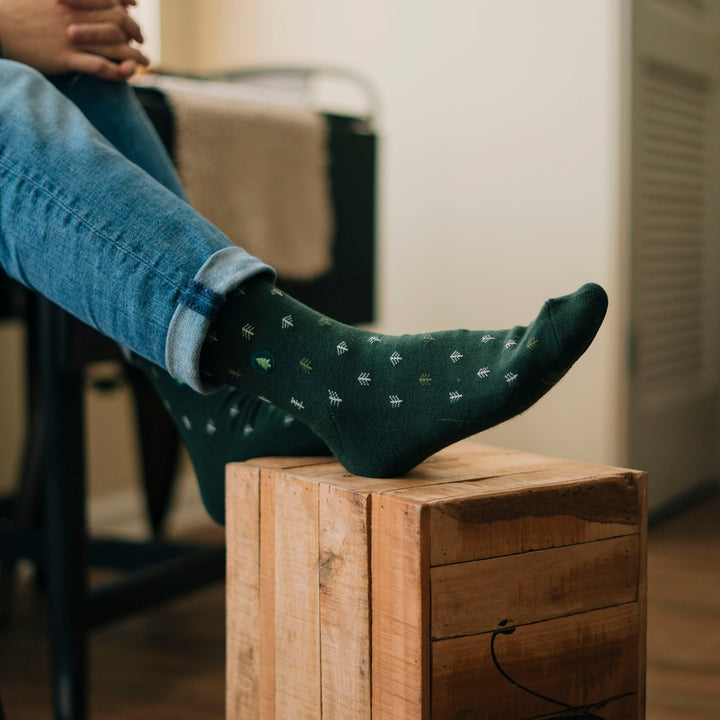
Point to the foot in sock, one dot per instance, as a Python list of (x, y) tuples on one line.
[(228, 426), (384, 403)]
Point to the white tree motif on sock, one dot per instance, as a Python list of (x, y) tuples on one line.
[(395, 401), (247, 430), (510, 343), (235, 410), (454, 396), (296, 403), (425, 380), (395, 358), (342, 348), (486, 338), (373, 339), (210, 427), (334, 398), (510, 378), (287, 322), (364, 379), (248, 331), (456, 356), (483, 372), (288, 420), (186, 422)]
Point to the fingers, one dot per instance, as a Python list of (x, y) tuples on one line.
[(117, 51), (127, 68), (98, 66), (120, 16), (89, 4), (103, 33), (86, 17)]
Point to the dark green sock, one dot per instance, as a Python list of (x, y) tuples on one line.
[(228, 426), (384, 403)]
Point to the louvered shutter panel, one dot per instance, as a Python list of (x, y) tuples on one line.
[(675, 273)]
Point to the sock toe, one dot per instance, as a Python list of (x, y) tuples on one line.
[(576, 319)]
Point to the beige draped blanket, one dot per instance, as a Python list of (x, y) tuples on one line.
[(259, 172)]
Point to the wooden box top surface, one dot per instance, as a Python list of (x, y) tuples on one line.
[(463, 470)]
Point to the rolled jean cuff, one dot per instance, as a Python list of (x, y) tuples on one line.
[(223, 272)]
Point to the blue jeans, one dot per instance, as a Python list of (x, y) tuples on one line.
[(99, 224)]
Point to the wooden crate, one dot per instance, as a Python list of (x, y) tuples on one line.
[(487, 583)]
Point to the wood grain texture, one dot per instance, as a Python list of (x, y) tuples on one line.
[(267, 680), (400, 610), (297, 600), (577, 660), (242, 502), (533, 586), (532, 512), (642, 582), (351, 567), (344, 580), (459, 463)]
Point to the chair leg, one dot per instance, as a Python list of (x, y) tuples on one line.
[(66, 574), (25, 511), (159, 447)]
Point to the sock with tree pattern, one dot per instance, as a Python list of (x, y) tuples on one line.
[(228, 426), (384, 403)]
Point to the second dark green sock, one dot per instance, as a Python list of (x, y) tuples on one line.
[(228, 426)]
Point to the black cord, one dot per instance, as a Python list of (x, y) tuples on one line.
[(584, 714)]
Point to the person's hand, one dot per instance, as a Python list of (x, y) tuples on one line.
[(56, 36), (99, 27), (103, 27)]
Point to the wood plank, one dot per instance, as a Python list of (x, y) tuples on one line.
[(297, 601), (642, 481), (459, 463), (623, 708), (286, 463), (533, 586), (552, 472), (242, 501), (493, 523), (267, 596), (576, 660), (344, 575), (400, 613)]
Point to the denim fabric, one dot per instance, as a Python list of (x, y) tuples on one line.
[(114, 110), (97, 234)]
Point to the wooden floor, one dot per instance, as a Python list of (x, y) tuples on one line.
[(169, 664)]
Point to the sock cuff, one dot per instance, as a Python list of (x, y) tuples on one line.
[(198, 305)]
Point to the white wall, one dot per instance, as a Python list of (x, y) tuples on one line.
[(500, 176), (147, 13)]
